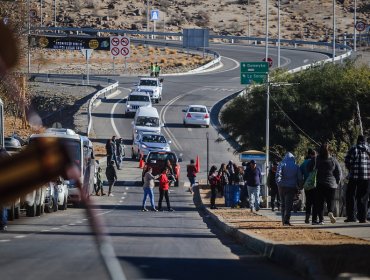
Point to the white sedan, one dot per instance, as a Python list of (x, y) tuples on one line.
[(196, 115)]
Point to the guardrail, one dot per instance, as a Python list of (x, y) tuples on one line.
[(93, 99), (113, 85)]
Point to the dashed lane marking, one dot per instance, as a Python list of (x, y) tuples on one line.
[(19, 236)]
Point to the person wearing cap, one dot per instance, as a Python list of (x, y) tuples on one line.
[(191, 174), (357, 162), (111, 174), (253, 177)]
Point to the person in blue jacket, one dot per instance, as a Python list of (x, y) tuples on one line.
[(288, 178)]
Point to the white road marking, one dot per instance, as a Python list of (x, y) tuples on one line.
[(72, 224), (126, 189), (19, 236), (5, 240), (120, 201), (112, 119), (45, 230), (189, 129), (55, 228)]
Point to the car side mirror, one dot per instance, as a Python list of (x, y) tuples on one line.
[(161, 80)]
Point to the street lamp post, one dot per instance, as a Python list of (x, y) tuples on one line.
[(28, 38), (55, 13), (279, 33), (267, 128), (41, 13), (207, 136), (334, 29), (354, 29), (249, 21), (267, 30)]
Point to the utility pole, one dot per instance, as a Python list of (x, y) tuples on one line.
[(279, 33), (55, 14), (267, 29), (147, 18), (334, 27), (267, 131), (249, 21), (41, 13), (28, 38), (207, 136), (354, 29)]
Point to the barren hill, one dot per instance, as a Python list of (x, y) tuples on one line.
[(308, 19)]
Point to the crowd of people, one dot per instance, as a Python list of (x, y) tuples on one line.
[(287, 178)]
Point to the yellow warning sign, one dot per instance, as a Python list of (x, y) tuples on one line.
[(93, 44)]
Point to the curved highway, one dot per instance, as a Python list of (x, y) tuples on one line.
[(149, 245)]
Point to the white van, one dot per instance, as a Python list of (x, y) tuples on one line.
[(146, 119)]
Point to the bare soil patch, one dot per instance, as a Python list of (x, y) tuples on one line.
[(334, 252)]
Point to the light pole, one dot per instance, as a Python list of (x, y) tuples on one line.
[(354, 29), (55, 14), (267, 127), (249, 21), (267, 30), (28, 38), (278, 33), (41, 13), (334, 29), (147, 18)]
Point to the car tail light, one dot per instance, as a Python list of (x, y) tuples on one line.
[(188, 115), (206, 116)]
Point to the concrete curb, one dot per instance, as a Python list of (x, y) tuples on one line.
[(279, 253)]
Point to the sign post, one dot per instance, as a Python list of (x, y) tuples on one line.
[(154, 16), (87, 53)]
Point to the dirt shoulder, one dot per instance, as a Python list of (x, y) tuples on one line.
[(334, 253)]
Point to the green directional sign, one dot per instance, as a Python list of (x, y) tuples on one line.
[(253, 72)]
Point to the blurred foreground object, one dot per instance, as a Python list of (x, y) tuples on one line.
[(39, 163), (8, 51)]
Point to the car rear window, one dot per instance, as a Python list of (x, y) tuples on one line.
[(147, 121), (142, 98), (154, 139), (162, 157), (197, 110), (148, 83)]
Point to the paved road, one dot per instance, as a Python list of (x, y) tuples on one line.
[(178, 245)]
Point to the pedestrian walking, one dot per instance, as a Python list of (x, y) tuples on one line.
[(357, 162), (109, 150), (111, 174), (273, 188), (148, 188), (328, 177), (213, 181), (164, 186), (289, 179), (99, 183), (253, 177), (152, 69), (114, 151), (120, 151), (310, 195), (157, 69), (224, 176), (191, 171)]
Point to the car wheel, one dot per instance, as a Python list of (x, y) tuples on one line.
[(49, 206), (39, 209), (64, 205), (207, 126), (157, 100), (11, 213), (31, 210)]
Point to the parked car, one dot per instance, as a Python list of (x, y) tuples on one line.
[(135, 100), (151, 85), (56, 196), (146, 142), (13, 146), (196, 115), (157, 160)]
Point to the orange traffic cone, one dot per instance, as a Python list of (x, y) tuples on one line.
[(197, 164), (141, 162)]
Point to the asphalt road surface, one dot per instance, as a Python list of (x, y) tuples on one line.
[(149, 245)]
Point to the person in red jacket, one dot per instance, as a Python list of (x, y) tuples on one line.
[(164, 186)]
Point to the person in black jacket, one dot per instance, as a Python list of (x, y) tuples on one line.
[(273, 188), (111, 174), (328, 177)]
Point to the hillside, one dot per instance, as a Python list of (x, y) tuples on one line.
[(309, 19)]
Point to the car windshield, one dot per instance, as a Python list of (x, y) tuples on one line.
[(162, 157), (152, 83), (154, 138), (147, 121), (197, 110), (142, 98)]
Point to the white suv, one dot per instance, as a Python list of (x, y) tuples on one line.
[(135, 100), (151, 85)]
